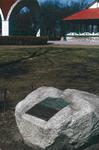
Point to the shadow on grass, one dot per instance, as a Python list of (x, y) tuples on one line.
[(13, 69), (4, 106)]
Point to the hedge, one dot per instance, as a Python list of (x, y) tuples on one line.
[(22, 40), (57, 38)]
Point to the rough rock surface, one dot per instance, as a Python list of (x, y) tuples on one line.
[(72, 127)]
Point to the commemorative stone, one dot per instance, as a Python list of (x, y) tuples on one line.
[(52, 119)]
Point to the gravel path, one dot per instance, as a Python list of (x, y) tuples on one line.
[(75, 42)]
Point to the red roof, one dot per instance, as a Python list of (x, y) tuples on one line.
[(5, 6), (86, 14)]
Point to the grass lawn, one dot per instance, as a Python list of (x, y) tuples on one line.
[(23, 69)]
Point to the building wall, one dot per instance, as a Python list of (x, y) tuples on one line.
[(95, 5), (5, 6)]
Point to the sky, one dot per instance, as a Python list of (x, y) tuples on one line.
[(61, 3), (66, 2)]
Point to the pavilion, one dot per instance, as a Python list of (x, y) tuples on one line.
[(7, 8), (84, 23)]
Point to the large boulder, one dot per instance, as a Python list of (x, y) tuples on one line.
[(73, 125)]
